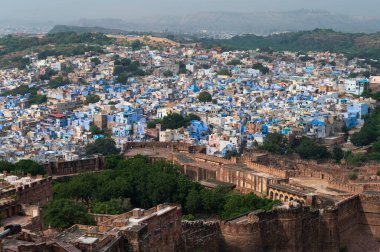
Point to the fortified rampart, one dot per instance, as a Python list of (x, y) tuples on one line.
[(35, 193), (270, 170), (292, 230), (369, 214), (200, 236), (165, 145), (61, 168)]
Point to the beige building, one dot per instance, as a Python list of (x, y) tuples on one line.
[(170, 135)]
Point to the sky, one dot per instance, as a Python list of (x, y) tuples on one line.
[(70, 10)]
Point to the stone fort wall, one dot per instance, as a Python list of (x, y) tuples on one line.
[(200, 236), (61, 168), (293, 230), (36, 193), (301, 229)]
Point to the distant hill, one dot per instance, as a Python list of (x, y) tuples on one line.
[(354, 44), (265, 23), (81, 29), (262, 23)]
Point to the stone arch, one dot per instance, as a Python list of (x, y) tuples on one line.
[(276, 196), (271, 195), (281, 197), (286, 198), (291, 199)]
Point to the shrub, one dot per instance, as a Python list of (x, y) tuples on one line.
[(353, 176)]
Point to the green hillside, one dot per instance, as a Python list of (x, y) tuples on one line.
[(13, 48), (80, 29), (353, 44)]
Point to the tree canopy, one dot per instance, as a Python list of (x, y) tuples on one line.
[(261, 68), (309, 149), (92, 98), (205, 97), (224, 72), (234, 62), (276, 143), (306, 148), (369, 134), (105, 146), (125, 68), (175, 121), (137, 182), (23, 167), (63, 213)]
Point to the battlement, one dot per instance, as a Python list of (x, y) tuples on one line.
[(214, 159), (175, 146), (89, 164), (347, 187), (270, 170)]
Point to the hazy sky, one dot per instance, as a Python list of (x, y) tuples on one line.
[(65, 10)]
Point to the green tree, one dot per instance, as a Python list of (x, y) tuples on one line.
[(276, 143), (29, 166), (6, 166), (113, 206), (212, 201), (239, 204), (190, 117), (92, 98), (118, 69), (193, 202), (234, 62), (146, 184), (353, 176), (188, 217), (309, 149), (152, 124), (64, 213), (182, 68), (48, 74), (95, 130), (136, 45), (355, 159), (173, 121), (112, 161), (224, 72), (96, 61), (167, 73), (337, 153), (205, 97), (37, 99), (122, 78), (105, 146), (261, 68), (58, 82)]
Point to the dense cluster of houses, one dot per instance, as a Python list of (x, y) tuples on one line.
[(316, 97)]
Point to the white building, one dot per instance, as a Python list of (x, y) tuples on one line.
[(356, 87)]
